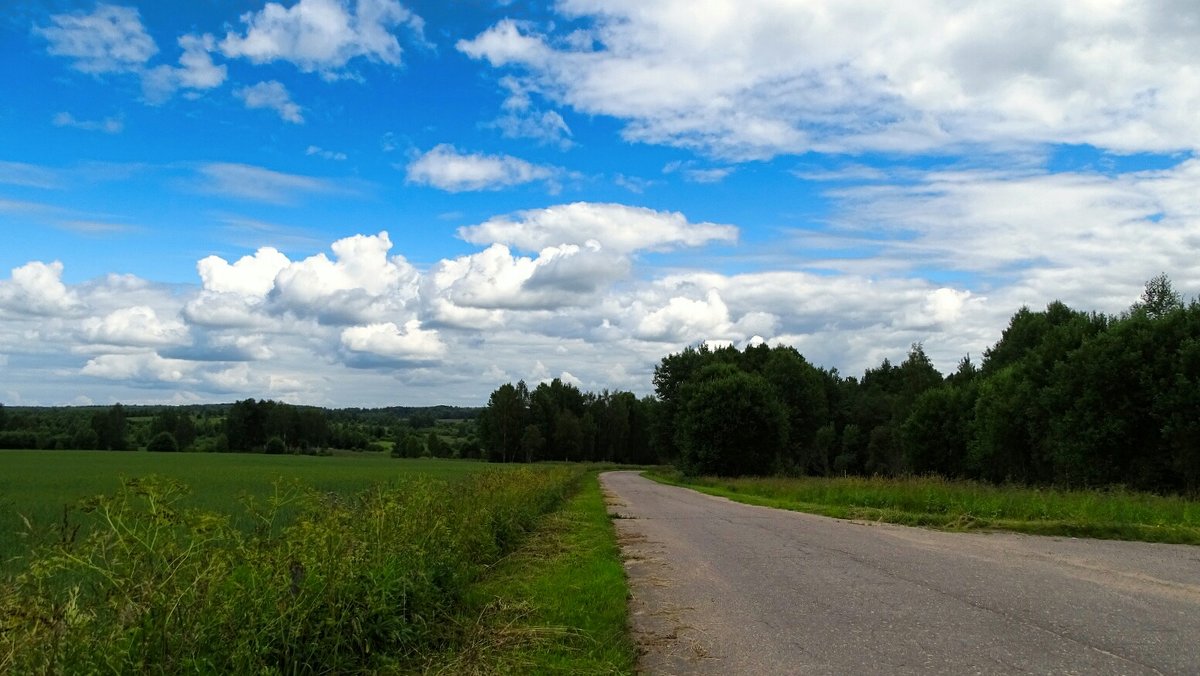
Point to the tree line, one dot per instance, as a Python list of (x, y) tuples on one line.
[(1065, 397), (262, 426), (557, 421)]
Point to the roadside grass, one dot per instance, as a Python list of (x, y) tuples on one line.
[(362, 582), (556, 605), (933, 502), (38, 488)]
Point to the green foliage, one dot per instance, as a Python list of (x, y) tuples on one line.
[(163, 442), (732, 423), (350, 584)]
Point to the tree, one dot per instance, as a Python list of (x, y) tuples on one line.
[(532, 443), (1159, 298), (110, 429), (503, 419), (731, 423), (163, 442)]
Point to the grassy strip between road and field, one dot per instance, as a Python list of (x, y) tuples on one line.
[(556, 605), (931, 502)]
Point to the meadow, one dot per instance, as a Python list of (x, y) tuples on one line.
[(299, 564), (934, 502)]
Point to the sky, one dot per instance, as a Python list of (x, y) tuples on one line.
[(371, 203)]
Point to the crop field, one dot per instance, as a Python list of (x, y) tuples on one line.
[(242, 563), (35, 486)]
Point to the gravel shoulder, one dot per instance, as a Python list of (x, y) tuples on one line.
[(725, 588)]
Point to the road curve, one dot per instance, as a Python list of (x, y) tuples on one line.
[(720, 587)]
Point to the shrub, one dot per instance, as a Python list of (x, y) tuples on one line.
[(163, 442)]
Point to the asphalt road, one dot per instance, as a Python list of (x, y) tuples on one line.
[(724, 588)]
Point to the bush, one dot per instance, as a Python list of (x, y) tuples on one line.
[(163, 442), (275, 446)]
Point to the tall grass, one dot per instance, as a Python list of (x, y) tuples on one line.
[(350, 584), (959, 505)]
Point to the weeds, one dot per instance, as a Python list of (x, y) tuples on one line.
[(323, 583)]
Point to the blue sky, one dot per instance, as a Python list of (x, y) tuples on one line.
[(369, 202)]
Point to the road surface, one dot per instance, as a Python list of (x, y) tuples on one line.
[(724, 588)]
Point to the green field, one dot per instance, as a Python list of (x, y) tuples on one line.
[(292, 564), (36, 485), (933, 502)]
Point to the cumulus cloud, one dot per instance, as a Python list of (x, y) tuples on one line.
[(138, 326), (446, 168), (361, 284), (409, 343), (616, 227), (271, 95), (249, 276), (109, 39), (323, 36), (581, 249), (36, 288), (496, 279), (754, 79), (142, 366)]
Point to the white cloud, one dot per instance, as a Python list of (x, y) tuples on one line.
[(325, 154), (1088, 239), (685, 318), (409, 343), (111, 39), (29, 175), (362, 285), (249, 276), (495, 279), (144, 366), (196, 70), (273, 95), (137, 326), (521, 119), (109, 125), (616, 227), (581, 248), (323, 35), (446, 168), (36, 288), (747, 79), (256, 183)]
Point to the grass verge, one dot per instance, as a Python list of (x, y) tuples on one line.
[(932, 502), (556, 605)]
